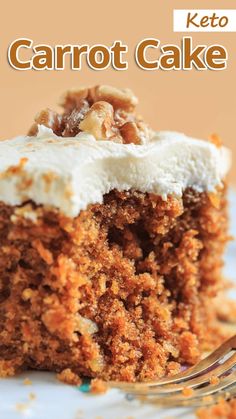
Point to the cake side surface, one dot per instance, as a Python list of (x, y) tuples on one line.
[(122, 291)]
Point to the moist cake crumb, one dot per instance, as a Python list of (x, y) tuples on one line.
[(187, 392), (69, 377), (98, 386), (214, 380), (27, 382), (123, 291)]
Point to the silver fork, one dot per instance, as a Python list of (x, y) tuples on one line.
[(199, 379)]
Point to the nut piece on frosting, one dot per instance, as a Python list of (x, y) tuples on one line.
[(130, 133), (118, 98), (105, 112), (47, 118), (99, 120)]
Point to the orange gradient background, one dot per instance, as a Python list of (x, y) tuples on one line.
[(195, 102)]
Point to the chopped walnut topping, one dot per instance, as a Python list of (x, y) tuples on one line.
[(73, 120), (118, 98), (99, 120), (130, 133), (49, 119), (106, 112), (72, 98)]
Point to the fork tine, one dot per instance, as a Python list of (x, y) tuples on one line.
[(224, 383), (208, 395), (190, 373), (191, 383), (198, 401)]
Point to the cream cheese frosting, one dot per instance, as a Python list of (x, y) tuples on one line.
[(71, 173)]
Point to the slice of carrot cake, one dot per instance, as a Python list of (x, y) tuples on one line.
[(111, 242)]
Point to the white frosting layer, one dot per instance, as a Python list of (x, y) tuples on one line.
[(71, 173)]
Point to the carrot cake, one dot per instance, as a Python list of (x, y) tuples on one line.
[(111, 242)]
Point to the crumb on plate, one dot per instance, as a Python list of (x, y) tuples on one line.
[(98, 386), (69, 377)]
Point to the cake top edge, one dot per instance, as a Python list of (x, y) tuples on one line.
[(46, 139), (71, 160), (71, 173)]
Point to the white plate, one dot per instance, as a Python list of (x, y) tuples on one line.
[(59, 401)]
